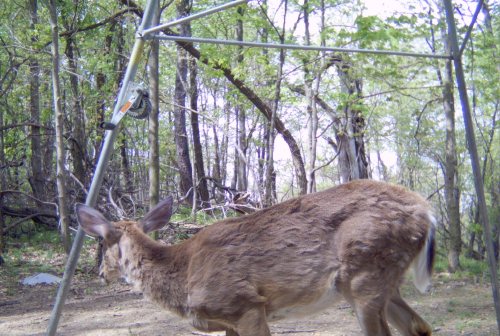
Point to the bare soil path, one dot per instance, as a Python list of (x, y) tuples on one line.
[(453, 308)]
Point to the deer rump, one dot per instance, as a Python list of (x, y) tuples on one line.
[(354, 241)]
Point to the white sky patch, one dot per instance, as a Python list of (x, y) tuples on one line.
[(383, 8)]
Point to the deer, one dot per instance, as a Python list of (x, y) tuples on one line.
[(355, 241)]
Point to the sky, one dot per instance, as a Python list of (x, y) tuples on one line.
[(382, 8)]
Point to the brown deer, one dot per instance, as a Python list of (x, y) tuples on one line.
[(354, 241)]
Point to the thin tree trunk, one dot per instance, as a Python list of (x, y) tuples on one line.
[(270, 196), (216, 172), (153, 134), (224, 152), (77, 139), (451, 191), (201, 183), (3, 184), (312, 126), (450, 171), (59, 122), (241, 152), (181, 137), (128, 181), (37, 178)]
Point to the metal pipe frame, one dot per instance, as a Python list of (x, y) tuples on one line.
[(99, 172), (192, 17), (471, 26), (294, 46)]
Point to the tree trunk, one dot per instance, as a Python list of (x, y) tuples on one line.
[(451, 191), (37, 178), (154, 96), (77, 138), (352, 158), (201, 183), (3, 184), (224, 152), (312, 79), (181, 137), (241, 151), (216, 170), (312, 125), (59, 122), (128, 181)]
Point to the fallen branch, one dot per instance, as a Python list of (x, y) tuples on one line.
[(44, 217)]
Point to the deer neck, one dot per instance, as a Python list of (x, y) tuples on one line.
[(159, 272)]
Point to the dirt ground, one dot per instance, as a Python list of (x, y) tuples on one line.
[(452, 308)]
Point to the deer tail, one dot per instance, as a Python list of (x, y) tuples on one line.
[(424, 262)]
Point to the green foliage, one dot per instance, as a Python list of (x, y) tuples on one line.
[(469, 268)]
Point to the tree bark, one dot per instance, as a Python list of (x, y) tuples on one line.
[(181, 137), (241, 152), (153, 134), (311, 81), (350, 140), (128, 181), (37, 178), (77, 138), (451, 191), (3, 183), (450, 170), (201, 183), (59, 122)]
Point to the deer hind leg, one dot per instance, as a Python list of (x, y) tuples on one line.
[(369, 296), (253, 323), (371, 316), (405, 319)]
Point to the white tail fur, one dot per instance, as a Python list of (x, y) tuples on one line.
[(422, 265)]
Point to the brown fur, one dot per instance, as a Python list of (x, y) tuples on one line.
[(354, 241)]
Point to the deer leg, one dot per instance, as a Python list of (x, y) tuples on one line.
[(253, 323), (371, 317), (405, 319), (368, 296)]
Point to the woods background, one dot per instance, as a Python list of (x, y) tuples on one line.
[(234, 129)]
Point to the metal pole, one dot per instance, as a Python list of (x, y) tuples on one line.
[(99, 173), (469, 30), (293, 46), (471, 142), (193, 17)]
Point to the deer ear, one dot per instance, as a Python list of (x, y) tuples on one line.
[(94, 223), (158, 217)]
